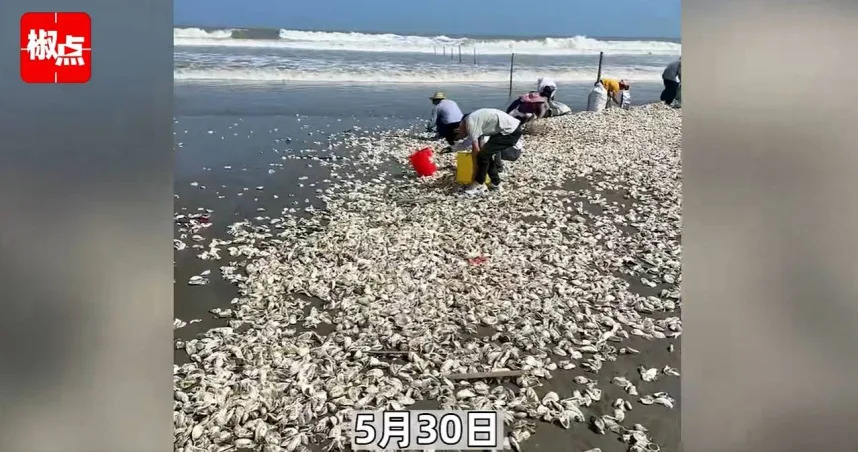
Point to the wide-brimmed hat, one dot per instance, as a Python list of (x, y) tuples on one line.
[(438, 96)]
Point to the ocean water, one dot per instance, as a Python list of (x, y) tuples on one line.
[(360, 58), (269, 72)]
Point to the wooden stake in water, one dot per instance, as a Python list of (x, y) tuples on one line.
[(475, 56), (599, 76), (511, 65), (460, 54)]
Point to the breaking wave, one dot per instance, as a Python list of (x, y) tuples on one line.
[(393, 43)]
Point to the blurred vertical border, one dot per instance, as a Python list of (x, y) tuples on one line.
[(85, 255), (770, 160)]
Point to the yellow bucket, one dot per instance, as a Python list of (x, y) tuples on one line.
[(465, 168)]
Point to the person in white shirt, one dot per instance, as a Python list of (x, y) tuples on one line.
[(671, 76), (503, 131)]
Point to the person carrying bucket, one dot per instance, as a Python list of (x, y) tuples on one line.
[(503, 132), (445, 118)]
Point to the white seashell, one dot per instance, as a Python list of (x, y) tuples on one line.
[(551, 397), (465, 394), (243, 443), (670, 371), (648, 374), (626, 385), (198, 281)]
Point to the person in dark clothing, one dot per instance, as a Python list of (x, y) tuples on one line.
[(671, 76), (448, 132)]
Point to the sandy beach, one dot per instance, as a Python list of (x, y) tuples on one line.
[(571, 273)]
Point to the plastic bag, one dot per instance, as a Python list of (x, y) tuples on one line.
[(598, 98), (558, 108)]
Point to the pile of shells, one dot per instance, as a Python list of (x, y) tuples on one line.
[(400, 283), (538, 127)]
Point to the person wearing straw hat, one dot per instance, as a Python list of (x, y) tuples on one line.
[(615, 88), (445, 118)]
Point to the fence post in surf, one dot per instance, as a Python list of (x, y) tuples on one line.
[(599, 75), (460, 54), (511, 65), (475, 56)]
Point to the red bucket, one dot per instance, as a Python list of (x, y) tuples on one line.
[(422, 162)]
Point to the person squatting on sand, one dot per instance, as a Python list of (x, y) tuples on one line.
[(529, 107), (445, 118), (615, 89), (546, 88), (672, 77), (503, 132)]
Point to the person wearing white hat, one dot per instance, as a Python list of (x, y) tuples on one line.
[(546, 87), (615, 88), (445, 118)]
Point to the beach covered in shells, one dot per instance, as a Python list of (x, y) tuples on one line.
[(400, 289)]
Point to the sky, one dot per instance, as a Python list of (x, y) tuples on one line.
[(612, 18)]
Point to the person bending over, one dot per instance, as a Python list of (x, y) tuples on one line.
[(615, 88), (445, 118), (546, 88), (671, 76), (528, 107), (503, 131)]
